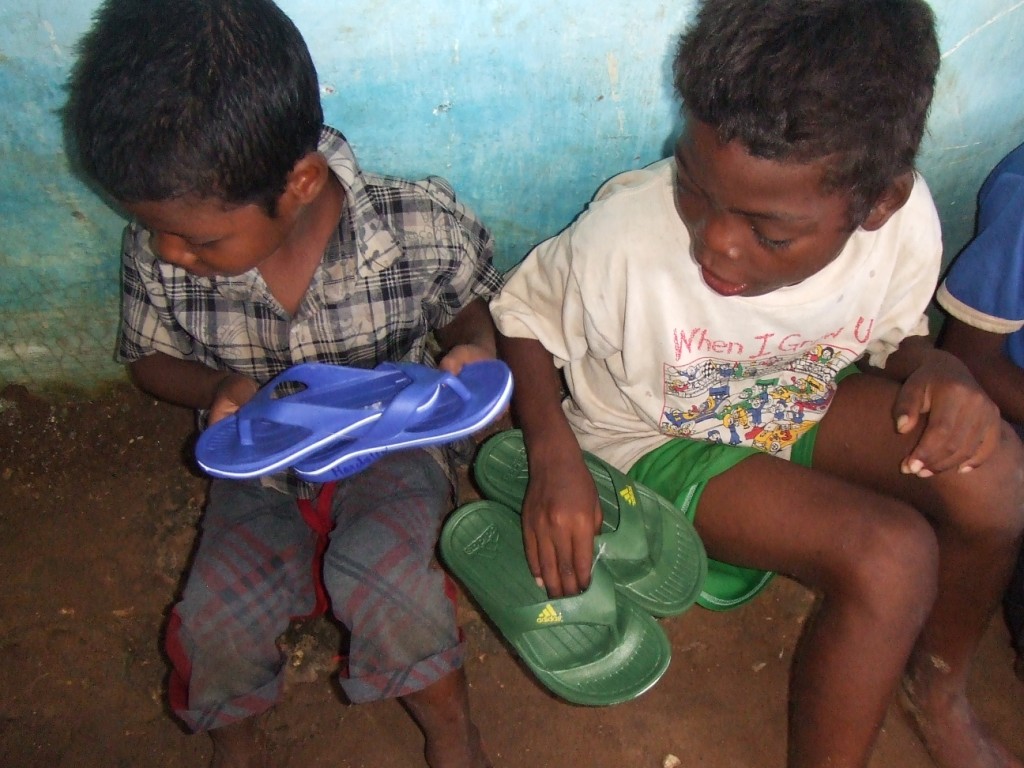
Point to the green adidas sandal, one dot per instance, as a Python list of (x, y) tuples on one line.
[(596, 648), (649, 547)]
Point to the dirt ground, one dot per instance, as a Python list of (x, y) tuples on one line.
[(98, 508)]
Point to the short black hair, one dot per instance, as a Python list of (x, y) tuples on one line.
[(806, 79), (213, 99)]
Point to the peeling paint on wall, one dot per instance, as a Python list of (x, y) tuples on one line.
[(526, 110)]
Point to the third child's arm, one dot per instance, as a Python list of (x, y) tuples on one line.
[(561, 514), (962, 423), (984, 353)]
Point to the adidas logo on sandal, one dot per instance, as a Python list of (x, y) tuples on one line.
[(549, 615), (486, 544)]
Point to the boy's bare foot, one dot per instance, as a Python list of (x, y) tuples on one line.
[(441, 710), (438, 754), (239, 745), (950, 730)]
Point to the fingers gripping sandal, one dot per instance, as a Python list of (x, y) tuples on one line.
[(649, 547)]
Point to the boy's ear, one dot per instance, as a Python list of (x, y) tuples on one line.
[(891, 200), (306, 178)]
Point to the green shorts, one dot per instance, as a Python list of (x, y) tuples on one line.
[(679, 471)]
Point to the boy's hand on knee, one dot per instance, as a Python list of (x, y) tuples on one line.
[(561, 516), (962, 425)]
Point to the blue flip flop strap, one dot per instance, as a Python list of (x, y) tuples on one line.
[(401, 413), (312, 417), (319, 377)]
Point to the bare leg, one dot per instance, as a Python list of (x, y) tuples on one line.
[(239, 745), (972, 574), (441, 711), (873, 562), (909, 570), (977, 521)]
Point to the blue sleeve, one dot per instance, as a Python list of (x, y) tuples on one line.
[(988, 276)]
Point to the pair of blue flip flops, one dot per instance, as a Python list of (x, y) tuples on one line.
[(327, 422)]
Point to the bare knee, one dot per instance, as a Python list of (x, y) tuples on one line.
[(988, 502), (1011, 468), (889, 566)]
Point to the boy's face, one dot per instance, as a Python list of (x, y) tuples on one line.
[(756, 225), (208, 238)]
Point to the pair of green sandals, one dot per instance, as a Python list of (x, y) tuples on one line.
[(603, 646)]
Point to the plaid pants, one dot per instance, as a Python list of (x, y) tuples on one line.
[(257, 567)]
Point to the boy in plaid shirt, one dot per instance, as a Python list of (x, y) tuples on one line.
[(258, 243)]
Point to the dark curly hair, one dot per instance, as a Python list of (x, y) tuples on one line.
[(808, 79), (215, 99)]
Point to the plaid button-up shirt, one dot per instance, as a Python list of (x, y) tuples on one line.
[(405, 259)]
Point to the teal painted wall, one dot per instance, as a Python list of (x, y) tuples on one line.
[(525, 109)]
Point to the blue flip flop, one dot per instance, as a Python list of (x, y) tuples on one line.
[(436, 407), (320, 412), (294, 414)]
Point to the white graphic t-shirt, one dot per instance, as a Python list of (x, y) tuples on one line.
[(650, 352)]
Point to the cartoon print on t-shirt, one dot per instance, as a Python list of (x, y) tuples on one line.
[(767, 403)]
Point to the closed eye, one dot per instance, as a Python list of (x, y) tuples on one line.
[(767, 242)]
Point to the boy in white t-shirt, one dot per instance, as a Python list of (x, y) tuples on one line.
[(710, 314)]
